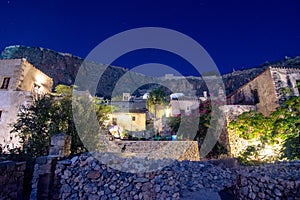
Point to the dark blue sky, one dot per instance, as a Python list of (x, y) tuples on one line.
[(237, 34)]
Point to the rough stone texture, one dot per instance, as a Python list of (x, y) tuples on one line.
[(23, 76), (178, 150), (44, 170), (43, 176), (87, 177), (285, 78), (230, 140), (63, 67), (11, 179), (235, 144), (60, 145), (272, 181), (268, 89)]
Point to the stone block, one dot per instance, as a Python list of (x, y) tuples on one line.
[(60, 145), (41, 160)]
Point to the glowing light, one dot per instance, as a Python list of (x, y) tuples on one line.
[(168, 111), (40, 79)]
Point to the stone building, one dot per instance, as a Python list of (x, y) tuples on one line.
[(184, 106), (268, 90), (130, 113), (20, 83)]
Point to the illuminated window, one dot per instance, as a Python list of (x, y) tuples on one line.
[(5, 83)]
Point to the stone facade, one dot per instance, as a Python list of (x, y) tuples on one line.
[(11, 180), (266, 91), (231, 141), (285, 78), (20, 82)]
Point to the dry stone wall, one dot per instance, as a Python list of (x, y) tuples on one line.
[(84, 177), (279, 181), (11, 179)]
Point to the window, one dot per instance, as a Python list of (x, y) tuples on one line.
[(298, 86), (114, 120), (5, 83), (255, 96), (0, 114), (133, 118)]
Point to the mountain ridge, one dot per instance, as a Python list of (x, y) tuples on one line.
[(63, 68)]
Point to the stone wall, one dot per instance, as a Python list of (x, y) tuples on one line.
[(43, 177), (268, 89), (285, 78), (260, 88), (236, 145), (44, 180), (85, 177), (273, 181), (11, 179), (230, 140), (178, 150)]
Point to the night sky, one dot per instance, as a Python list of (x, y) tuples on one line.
[(236, 34)]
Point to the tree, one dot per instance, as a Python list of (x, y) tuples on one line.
[(156, 97), (32, 127), (53, 114)]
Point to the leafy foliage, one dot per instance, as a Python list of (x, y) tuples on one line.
[(32, 127), (203, 117), (156, 97), (281, 125), (53, 114)]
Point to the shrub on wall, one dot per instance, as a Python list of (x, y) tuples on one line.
[(280, 127)]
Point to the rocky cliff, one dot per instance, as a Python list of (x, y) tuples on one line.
[(63, 69)]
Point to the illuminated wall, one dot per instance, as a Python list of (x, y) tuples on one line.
[(130, 121), (25, 83)]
